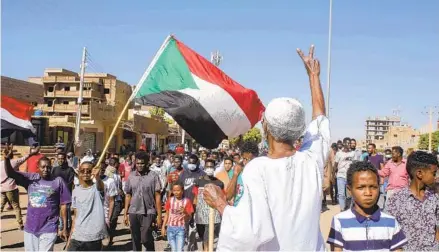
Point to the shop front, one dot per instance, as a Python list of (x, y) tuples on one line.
[(148, 132)]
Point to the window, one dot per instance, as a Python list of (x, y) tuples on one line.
[(49, 103), (50, 89), (395, 135), (65, 102), (106, 90), (66, 88)]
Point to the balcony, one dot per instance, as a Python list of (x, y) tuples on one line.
[(65, 108), (93, 110), (74, 94), (55, 79)]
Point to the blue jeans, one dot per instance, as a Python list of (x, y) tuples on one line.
[(341, 185), (176, 237), (382, 198)]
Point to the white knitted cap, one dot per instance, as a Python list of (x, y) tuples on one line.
[(285, 118)]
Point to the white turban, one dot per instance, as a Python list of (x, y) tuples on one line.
[(285, 119)]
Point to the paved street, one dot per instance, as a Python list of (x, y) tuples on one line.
[(12, 238)]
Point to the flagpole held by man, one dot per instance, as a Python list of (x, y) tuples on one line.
[(280, 209)]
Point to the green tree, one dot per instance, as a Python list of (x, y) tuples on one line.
[(157, 111), (233, 141), (169, 120), (423, 141), (253, 135)]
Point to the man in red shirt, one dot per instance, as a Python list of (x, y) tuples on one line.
[(32, 161), (179, 150)]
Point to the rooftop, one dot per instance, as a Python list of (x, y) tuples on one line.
[(64, 72), (383, 118), (58, 71)]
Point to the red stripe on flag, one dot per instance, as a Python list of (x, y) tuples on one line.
[(17, 108), (247, 99)]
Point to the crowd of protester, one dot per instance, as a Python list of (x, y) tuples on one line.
[(160, 196)]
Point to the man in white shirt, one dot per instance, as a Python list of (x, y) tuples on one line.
[(280, 208)]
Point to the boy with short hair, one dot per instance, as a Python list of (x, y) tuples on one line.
[(416, 206), (364, 226)]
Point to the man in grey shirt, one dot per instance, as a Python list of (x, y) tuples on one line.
[(88, 227), (343, 159), (142, 203)]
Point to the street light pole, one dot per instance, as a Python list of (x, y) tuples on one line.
[(431, 111), (328, 73)]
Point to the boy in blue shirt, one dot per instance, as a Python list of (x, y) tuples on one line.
[(364, 226)]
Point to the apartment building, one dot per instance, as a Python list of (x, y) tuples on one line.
[(377, 127), (104, 96), (403, 135)]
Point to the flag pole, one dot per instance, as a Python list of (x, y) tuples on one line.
[(145, 75)]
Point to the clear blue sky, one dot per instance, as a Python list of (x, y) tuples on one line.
[(385, 53)]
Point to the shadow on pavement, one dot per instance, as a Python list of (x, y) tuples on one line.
[(9, 216), (121, 247), (9, 230), (12, 246), (120, 232)]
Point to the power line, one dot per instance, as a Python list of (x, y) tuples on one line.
[(94, 64)]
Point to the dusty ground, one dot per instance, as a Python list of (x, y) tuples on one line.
[(12, 238)]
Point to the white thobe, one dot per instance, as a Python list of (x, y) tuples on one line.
[(280, 208)]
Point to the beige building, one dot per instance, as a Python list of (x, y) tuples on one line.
[(404, 136), (104, 97), (377, 127)]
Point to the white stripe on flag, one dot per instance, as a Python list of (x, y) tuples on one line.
[(7, 116), (221, 106)]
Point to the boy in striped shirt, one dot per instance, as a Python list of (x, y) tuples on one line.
[(178, 211), (364, 227)]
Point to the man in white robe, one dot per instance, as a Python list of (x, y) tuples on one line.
[(280, 208)]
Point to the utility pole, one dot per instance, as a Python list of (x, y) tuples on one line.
[(81, 88), (431, 111)]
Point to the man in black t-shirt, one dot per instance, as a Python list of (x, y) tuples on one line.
[(189, 176), (67, 173)]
